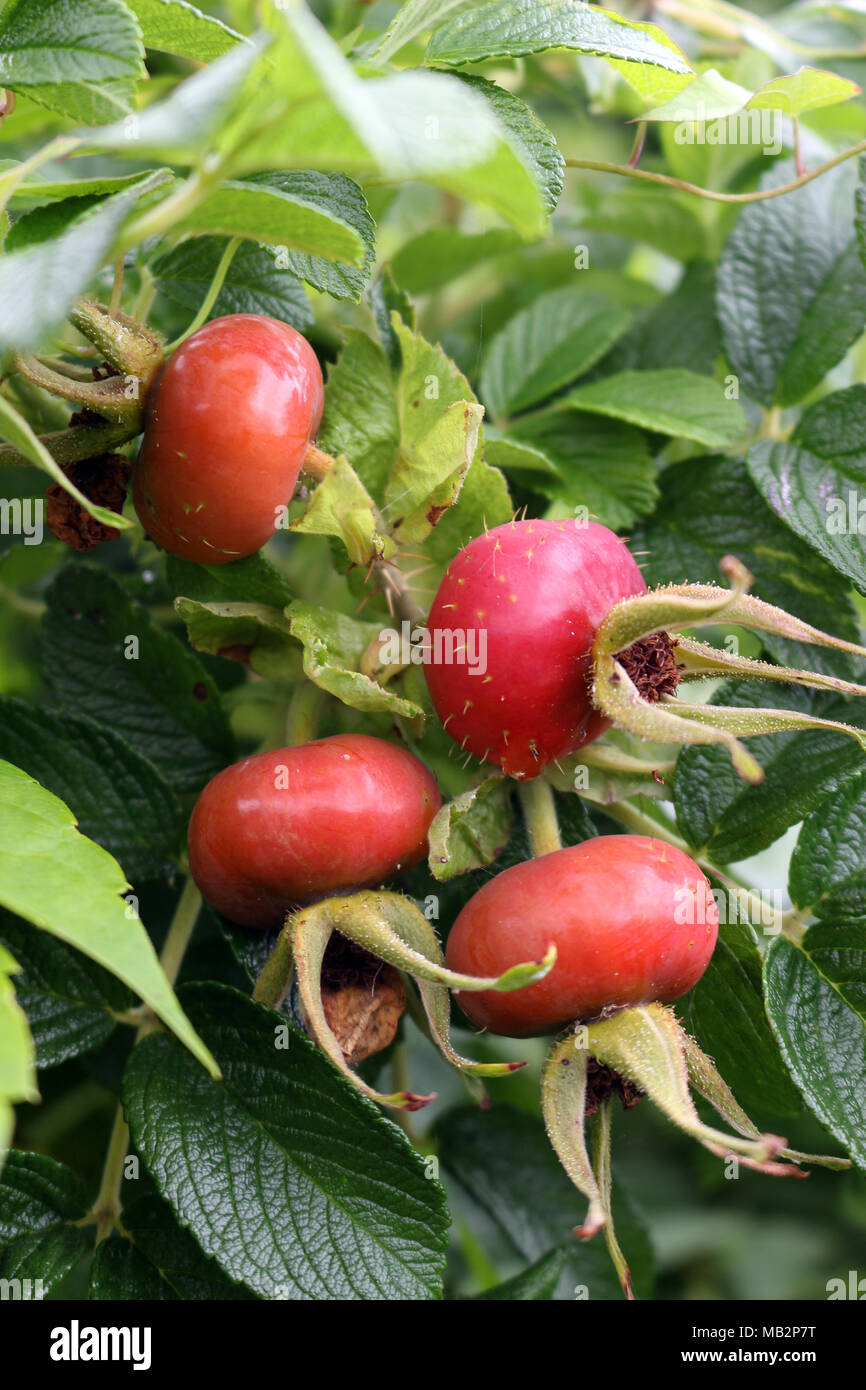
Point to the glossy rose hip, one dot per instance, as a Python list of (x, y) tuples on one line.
[(535, 594), (633, 920), (228, 423), (296, 824)]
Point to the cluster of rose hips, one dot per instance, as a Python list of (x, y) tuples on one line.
[(588, 942)]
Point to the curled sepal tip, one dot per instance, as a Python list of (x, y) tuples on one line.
[(649, 1047)]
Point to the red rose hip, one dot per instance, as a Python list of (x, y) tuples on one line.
[(228, 423), (535, 594), (633, 920), (296, 824)]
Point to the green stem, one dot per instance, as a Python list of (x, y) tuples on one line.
[(106, 1208), (273, 982), (302, 714), (539, 812), (758, 196), (165, 215), (210, 298), (70, 445)]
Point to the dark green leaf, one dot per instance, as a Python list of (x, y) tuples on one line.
[(537, 1282), (67, 998), (174, 26), (602, 465), (160, 1260), (816, 999), (38, 1200), (103, 653), (828, 866), (256, 283), (297, 1153)]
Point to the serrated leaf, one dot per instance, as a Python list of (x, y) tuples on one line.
[(670, 401), (116, 796), (81, 60), (158, 1260), (287, 1167), (816, 500), (719, 813), (827, 873), (528, 136), (39, 1201), (726, 1012), (709, 508), (547, 346), (533, 1201), (259, 634), (410, 125), (656, 84), (468, 832), (341, 506), (511, 28), (68, 999), (181, 125), (174, 26), (803, 90), (271, 209), (791, 287), (413, 19), (256, 282), (602, 465), (69, 886), (253, 579), (333, 645), (337, 196), (104, 653), (816, 999)]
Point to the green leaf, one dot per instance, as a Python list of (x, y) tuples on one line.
[(709, 97), (708, 509), (679, 331), (828, 866), (535, 1283), (791, 287), (18, 432), (36, 188), (270, 209), (511, 28), (68, 999), (817, 501), (655, 84), (173, 26), (336, 196), (69, 886), (116, 796), (532, 1201), (341, 506), (39, 1199), (546, 346), (816, 999), (253, 579), (40, 283), (333, 645), (804, 90), (263, 631), (603, 465), (533, 142), (659, 217), (670, 401), (257, 281), (159, 1260), (104, 654), (725, 1011), (439, 255), (297, 1150), (411, 125), (468, 832), (17, 1053), (504, 451), (82, 60), (183, 123), (721, 814), (413, 19)]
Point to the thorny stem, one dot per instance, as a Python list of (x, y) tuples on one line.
[(106, 1208), (757, 196), (539, 811), (78, 442)]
